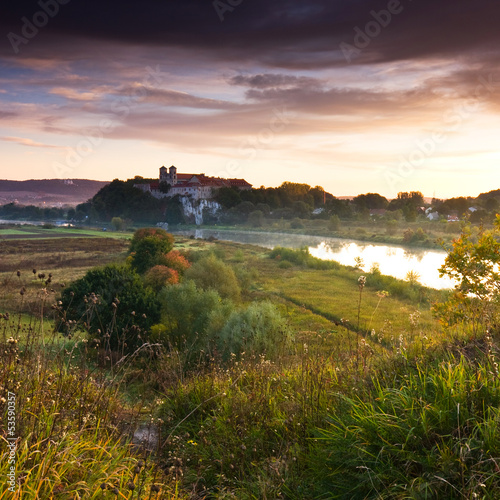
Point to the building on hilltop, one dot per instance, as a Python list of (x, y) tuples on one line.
[(198, 186)]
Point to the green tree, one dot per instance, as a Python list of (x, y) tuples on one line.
[(186, 315), (118, 223), (473, 263), (148, 246), (334, 223), (113, 304), (256, 218), (259, 328), (210, 273)]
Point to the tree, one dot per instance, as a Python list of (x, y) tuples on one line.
[(114, 305), (186, 314), (256, 218), (210, 273), (370, 201), (148, 246), (159, 276), (473, 263), (118, 223)]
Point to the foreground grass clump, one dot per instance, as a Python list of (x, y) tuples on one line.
[(434, 433), (241, 432), (69, 434)]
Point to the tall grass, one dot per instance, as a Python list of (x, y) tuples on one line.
[(72, 433)]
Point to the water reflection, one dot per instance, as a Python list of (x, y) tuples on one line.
[(391, 260)]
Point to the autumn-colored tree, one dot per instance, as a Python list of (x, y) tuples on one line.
[(159, 276), (148, 246), (175, 260)]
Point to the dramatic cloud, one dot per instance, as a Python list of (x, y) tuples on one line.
[(363, 86)]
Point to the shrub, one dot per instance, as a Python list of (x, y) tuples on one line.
[(175, 260), (408, 235), (334, 223), (302, 257), (186, 314), (391, 227), (210, 273), (296, 224), (258, 329), (159, 276), (256, 218), (148, 246), (105, 299)]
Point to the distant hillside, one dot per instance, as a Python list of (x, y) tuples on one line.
[(51, 192)]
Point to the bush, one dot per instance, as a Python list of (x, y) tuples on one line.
[(302, 257), (257, 329), (334, 223), (186, 314), (159, 276), (296, 224), (114, 304), (256, 218), (210, 273), (175, 260), (148, 246)]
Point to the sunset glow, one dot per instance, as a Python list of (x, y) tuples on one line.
[(354, 96)]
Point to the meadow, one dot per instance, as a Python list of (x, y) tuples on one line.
[(359, 392)]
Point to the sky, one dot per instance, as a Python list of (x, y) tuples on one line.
[(355, 96)]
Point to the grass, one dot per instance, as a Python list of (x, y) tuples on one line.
[(408, 411), (40, 232)]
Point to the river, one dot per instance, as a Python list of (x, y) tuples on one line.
[(392, 260)]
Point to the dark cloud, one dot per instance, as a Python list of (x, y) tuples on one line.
[(282, 33), (7, 114), (272, 80)]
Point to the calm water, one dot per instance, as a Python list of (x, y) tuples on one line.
[(392, 260)]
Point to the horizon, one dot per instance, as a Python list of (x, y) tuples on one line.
[(348, 97), (427, 198)]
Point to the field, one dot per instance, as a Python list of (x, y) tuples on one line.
[(49, 231), (366, 396)]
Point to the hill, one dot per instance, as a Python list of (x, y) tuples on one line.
[(49, 191)]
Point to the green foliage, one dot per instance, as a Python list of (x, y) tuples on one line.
[(334, 223), (473, 263), (257, 329), (370, 201), (210, 273), (118, 223), (391, 227), (148, 246), (256, 218), (186, 317), (302, 257), (433, 435), (113, 304), (122, 199), (296, 224)]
